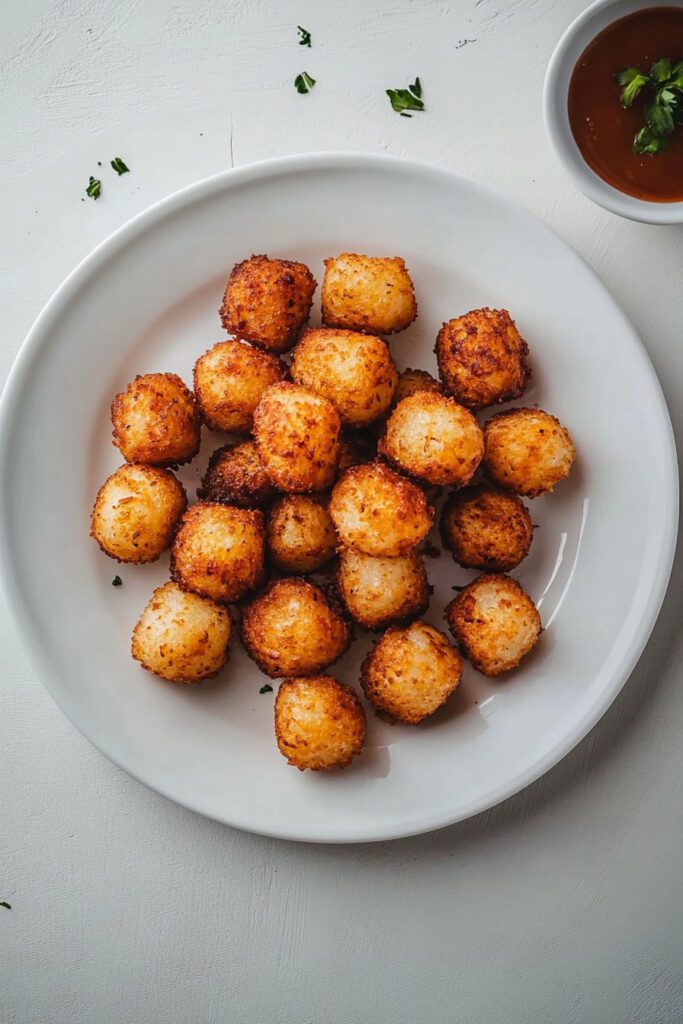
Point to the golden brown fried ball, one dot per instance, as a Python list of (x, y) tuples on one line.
[(378, 511), (300, 534), (486, 528), (527, 450), (136, 512), (412, 381), (411, 672), (495, 623), (379, 591), (432, 437), (319, 723), (229, 380), (482, 358), (156, 421), (292, 629), (235, 475), (182, 637), (267, 302), (368, 293), (298, 438), (355, 371), (219, 551)]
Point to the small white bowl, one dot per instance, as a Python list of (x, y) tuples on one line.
[(555, 91)]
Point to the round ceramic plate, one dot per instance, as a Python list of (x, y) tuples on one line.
[(146, 300)]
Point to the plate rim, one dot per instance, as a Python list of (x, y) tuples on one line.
[(18, 378)]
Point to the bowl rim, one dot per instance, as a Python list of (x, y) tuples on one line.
[(556, 120)]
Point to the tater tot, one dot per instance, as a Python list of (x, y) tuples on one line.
[(298, 437), (486, 528), (495, 623), (368, 293), (378, 591), (527, 451), (319, 723), (378, 511), (229, 380), (410, 673), (236, 475), (412, 381), (218, 551), (267, 302), (292, 629), (181, 637), (300, 535), (136, 512), (355, 371), (432, 437), (156, 421), (482, 358)]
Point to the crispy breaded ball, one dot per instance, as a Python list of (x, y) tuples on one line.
[(355, 371), (432, 437), (495, 623), (182, 637), (319, 723), (292, 629), (219, 551), (378, 511), (412, 381), (229, 380), (527, 451), (156, 421), (267, 302), (411, 672), (378, 591), (368, 293), (486, 528), (482, 358), (300, 534), (136, 512), (298, 437), (235, 475)]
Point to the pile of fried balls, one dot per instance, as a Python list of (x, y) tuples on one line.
[(339, 460)]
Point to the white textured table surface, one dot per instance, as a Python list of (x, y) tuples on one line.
[(561, 906)]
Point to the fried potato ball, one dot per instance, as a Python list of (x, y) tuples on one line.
[(156, 421), (482, 358), (355, 371), (378, 591), (527, 451), (229, 380), (267, 302), (379, 512), (368, 293), (235, 475), (486, 528), (412, 381), (495, 623), (411, 672), (292, 629), (432, 437), (218, 551), (319, 723), (181, 637), (298, 437), (136, 512), (300, 534)]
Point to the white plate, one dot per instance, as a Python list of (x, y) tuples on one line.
[(146, 300)]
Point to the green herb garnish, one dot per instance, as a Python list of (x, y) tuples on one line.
[(403, 100), (5, 904), (117, 582), (266, 688), (94, 188), (119, 166), (304, 36), (663, 108), (303, 82)]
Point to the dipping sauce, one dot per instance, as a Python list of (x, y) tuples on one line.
[(603, 130)]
